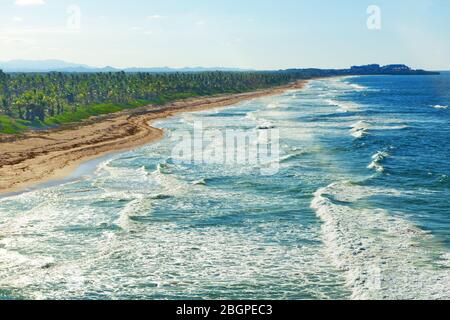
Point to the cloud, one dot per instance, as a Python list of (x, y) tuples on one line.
[(24, 3), (155, 17), (17, 19), (7, 40), (28, 31)]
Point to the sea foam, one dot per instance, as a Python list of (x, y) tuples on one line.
[(344, 106), (360, 129), (378, 158), (382, 256)]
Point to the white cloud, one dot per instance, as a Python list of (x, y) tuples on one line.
[(27, 31), (24, 3), (8, 40), (17, 19), (155, 17)]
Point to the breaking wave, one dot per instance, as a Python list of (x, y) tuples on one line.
[(382, 256), (360, 129), (378, 158), (344, 106)]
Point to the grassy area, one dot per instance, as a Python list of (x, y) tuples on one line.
[(83, 113), (9, 125), (14, 126)]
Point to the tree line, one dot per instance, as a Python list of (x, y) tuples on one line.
[(37, 97)]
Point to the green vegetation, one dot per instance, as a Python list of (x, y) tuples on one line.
[(12, 126), (51, 99), (82, 113)]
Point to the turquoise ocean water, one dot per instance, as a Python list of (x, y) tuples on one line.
[(359, 207)]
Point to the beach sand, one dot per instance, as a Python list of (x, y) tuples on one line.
[(39, 156)]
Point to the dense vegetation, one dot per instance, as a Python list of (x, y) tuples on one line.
[(51, 99)]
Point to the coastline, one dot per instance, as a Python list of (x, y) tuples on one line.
[(36, 157)]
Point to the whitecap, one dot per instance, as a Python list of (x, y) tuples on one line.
[(201, 182), (251, 115), (378, 158), (382, 256), (293, 154), (272, 106), (360, 129), (265, 125), (358, 87), (344, 106), (133, 208)]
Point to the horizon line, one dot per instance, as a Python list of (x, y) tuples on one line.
[(88, 66)]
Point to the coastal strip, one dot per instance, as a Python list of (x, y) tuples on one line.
[(39, 156)]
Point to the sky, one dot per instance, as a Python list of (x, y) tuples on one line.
[(257, 34)]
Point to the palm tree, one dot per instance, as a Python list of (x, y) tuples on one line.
[(38, 96)]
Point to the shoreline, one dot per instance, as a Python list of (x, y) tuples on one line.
[(39, 157)]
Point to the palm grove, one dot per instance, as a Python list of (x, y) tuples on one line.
[(50, 99)]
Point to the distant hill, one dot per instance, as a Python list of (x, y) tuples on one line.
[(30, 66), (370, 69), (40, 66)]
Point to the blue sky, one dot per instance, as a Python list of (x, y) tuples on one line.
[(260, 34)]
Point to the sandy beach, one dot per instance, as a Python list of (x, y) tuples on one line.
[(39, 156)]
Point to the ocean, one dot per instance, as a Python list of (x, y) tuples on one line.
[(357, 208)]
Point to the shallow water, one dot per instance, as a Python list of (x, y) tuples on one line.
[(358, 209)]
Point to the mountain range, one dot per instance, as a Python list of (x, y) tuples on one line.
[(63, 66)]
